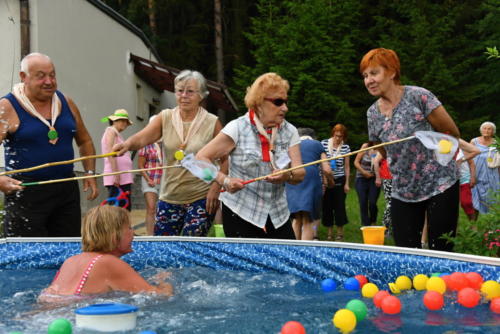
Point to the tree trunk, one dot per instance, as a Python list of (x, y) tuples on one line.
[(218, 49), (152, 17)]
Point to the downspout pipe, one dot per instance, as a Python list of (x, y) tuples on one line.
[(25, 27)]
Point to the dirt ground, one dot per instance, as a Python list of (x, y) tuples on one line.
[(138, 221)]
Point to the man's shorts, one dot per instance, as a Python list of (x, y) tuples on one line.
[(466, 199)]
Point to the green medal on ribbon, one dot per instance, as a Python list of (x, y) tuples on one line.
[(52, 134)]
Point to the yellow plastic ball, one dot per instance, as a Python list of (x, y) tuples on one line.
[(344, 320), (403, 283), (179, 155), (490, 289), (394, 288), (420, 281), (445, 146), (436, 284), (369, 290)]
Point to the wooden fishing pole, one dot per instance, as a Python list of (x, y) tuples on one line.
[(327, 159), (57, 163), (96, 175)]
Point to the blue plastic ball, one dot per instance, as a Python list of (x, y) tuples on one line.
[(328, 285), (351, 284)]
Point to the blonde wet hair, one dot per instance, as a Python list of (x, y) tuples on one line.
[(102, 227), (267, 82)]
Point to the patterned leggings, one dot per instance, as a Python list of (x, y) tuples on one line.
[(387, 221), (189, 219)]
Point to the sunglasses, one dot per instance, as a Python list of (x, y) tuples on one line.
[(277, 102)]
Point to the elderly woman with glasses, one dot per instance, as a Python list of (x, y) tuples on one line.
[(186, 204), (259, 143)]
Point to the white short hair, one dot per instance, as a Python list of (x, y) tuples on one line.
[(489, 124), (187, 75), (25, 61)]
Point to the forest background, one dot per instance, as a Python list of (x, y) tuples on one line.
[(317, 46)]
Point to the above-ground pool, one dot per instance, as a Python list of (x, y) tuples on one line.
[(247, 285)]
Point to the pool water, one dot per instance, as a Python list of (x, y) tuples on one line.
[(223, 301)]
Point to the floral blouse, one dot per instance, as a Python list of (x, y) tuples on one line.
[(417, 175)]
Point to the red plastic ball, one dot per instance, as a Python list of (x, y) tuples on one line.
[(446, 279), (468, 297), (391, 305), (475, 280), (495, 305), (293, 327), (361, 279), (458, 281), (379, 296), (433, 300)]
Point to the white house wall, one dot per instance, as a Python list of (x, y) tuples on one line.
[(90, 51)]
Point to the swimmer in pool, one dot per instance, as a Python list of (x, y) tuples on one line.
[(106, 236)]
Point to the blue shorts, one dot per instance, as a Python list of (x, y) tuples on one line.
[(189, 219)]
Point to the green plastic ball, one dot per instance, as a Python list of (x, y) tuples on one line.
[(60, 326), (358, 308)]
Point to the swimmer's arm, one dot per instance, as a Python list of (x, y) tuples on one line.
[(122, 277)]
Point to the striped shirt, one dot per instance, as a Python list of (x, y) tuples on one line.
[(150, 153), (339, 170), (258, 200)]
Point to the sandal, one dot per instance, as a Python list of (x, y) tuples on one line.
[(329, 238), (339, 237)]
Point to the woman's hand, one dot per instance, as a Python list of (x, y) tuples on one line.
[(9, 185), (121, 148), (367, 175), (278, 179), (346, 187), (232, 185), (213, 198)]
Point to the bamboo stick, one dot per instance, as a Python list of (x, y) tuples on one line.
[(95, 176), (57, 163)]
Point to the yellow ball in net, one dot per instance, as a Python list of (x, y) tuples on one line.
[(445, 146)]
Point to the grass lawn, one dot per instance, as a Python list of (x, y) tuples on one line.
[(352, 232)]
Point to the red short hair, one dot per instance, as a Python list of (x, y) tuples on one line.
[(340, 128), (386, 58)]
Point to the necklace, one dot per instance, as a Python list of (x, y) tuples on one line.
[(179, 129)]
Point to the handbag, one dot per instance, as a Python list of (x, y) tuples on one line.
[(493, 158)]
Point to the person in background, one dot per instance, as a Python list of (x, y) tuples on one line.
[(383, 177), (334, 211), (488, 180), (420, 185), (258, 143), (39, 124), (304, 199), (186, 204), (467, 170), (106, 236), (368, 191), (116, 184), (151, 156)]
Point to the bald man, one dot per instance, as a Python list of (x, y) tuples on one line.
[(38, 125)]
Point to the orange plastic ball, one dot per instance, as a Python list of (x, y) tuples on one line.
[(391, 305), (495, 305), (458, 281), (293, 327), (379, 296), (361, 279), (468, 297), (475, 280), (433, 300)]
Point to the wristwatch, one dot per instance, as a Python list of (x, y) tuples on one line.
[(90, 172)]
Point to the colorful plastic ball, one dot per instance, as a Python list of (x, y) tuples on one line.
[(495, 305), (328, 285), (394, 288), (458, 281), (436, 284), (361, 279), (475, 280), (391, 305), (351, 284), (403, 283), (358, 308), (468, 297), (369, 290), (420, 281), (293, 327), (444, 146), (60, 326), (490, 289), (435, 274), (433, 300), (15, 333), (207, 174), (344, 320), (446, 279), (377, 299)]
